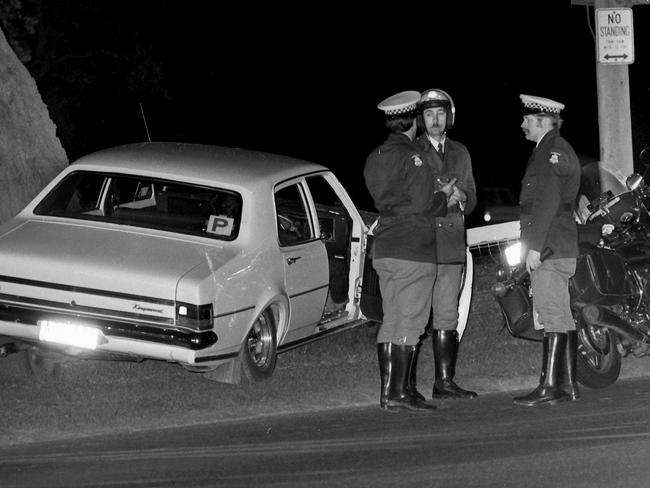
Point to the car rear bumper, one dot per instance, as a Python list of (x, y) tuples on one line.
[(166, 345)]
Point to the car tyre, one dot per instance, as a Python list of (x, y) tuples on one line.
[(259, 351)]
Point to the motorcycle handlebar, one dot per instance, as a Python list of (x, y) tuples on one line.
[(502, 288), (519, 274)]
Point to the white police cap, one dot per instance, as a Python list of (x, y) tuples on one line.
[(402, 104), (539, 106)]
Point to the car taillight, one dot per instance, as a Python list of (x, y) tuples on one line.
[(194, 316)]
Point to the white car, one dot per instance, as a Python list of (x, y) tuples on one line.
[(213, 258)]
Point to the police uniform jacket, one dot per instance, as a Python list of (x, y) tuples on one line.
[(456, 163), (401, 184), (548, 192)]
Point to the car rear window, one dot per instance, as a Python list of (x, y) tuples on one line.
[(145, 202)]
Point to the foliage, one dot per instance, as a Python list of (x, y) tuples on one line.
[(30, 152), (89, 59)]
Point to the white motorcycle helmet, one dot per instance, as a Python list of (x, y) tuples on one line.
[(435, 97)]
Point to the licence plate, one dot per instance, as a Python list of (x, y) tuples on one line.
[(69, 334)]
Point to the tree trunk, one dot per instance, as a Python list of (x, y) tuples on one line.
[(30, 152)]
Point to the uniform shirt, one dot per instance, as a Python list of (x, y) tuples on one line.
[(548, 192), (402, 186), (456, 163)]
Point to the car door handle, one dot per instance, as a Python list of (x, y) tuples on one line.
[(293, 260)]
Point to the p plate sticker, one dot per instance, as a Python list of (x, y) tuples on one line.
[(220, 225)]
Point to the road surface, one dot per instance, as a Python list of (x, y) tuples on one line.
[(601, 440)]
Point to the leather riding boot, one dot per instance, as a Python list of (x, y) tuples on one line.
[(412, 377), (548, 392), (445, 351), (568, 379), (399, 397), (383, 354)]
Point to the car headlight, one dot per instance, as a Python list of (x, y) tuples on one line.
[(487, 217), (513, 254)]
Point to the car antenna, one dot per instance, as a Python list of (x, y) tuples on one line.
[(144, 119)]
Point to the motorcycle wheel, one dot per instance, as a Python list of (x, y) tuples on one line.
[(598, 363)]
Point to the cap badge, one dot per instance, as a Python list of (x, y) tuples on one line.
[(416, 160), (555, 157)]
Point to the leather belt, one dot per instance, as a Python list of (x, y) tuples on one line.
[(566, 207)]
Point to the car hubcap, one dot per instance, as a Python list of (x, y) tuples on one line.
[(260, 341)]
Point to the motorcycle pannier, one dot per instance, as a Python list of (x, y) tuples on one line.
[(599, 278), (517, 308)]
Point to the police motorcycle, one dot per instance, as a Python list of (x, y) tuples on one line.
[(609, 291)]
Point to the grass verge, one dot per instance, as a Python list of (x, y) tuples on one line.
[(95, 397)]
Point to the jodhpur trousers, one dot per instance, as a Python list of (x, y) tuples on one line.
[(406, 290), (550, 287)]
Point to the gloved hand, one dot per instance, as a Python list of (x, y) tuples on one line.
[(457, 197), (447, 188)]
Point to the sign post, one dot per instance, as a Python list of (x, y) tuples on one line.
[(615, 41), (615, 34)]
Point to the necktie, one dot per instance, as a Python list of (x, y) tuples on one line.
[(441, 150)]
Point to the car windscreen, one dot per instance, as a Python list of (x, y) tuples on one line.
[(145, 202)]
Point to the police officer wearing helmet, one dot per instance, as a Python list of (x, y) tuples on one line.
[(548, 192), (451, 160), (401, 184)]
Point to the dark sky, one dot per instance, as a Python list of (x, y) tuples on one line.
[(305, 81)]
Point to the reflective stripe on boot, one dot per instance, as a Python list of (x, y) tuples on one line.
[(568, 374), (412, 376), (383, 355)]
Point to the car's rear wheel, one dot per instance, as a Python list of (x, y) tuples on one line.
[(259, 352)]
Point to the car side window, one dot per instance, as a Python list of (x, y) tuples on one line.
[(333, 217), (292, 217)]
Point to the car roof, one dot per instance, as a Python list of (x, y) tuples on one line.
[(210, 164)]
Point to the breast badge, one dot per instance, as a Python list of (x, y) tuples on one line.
[(555, 158), (416, 160)]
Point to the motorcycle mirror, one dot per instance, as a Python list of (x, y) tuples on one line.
[(644, 157), (634, 181)]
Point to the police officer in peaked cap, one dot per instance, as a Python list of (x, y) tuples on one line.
[(402, 186), (548, 192)]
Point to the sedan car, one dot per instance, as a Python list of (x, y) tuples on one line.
[(213, 258)]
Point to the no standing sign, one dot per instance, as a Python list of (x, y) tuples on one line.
[(615, 35)]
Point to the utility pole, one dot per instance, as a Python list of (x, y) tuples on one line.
[(614, 113)]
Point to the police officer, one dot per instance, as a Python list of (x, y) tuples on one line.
[(451, 160), (549, 189), (401, 184)]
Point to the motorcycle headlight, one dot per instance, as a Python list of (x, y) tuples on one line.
[(513, 254), (634, 181)]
